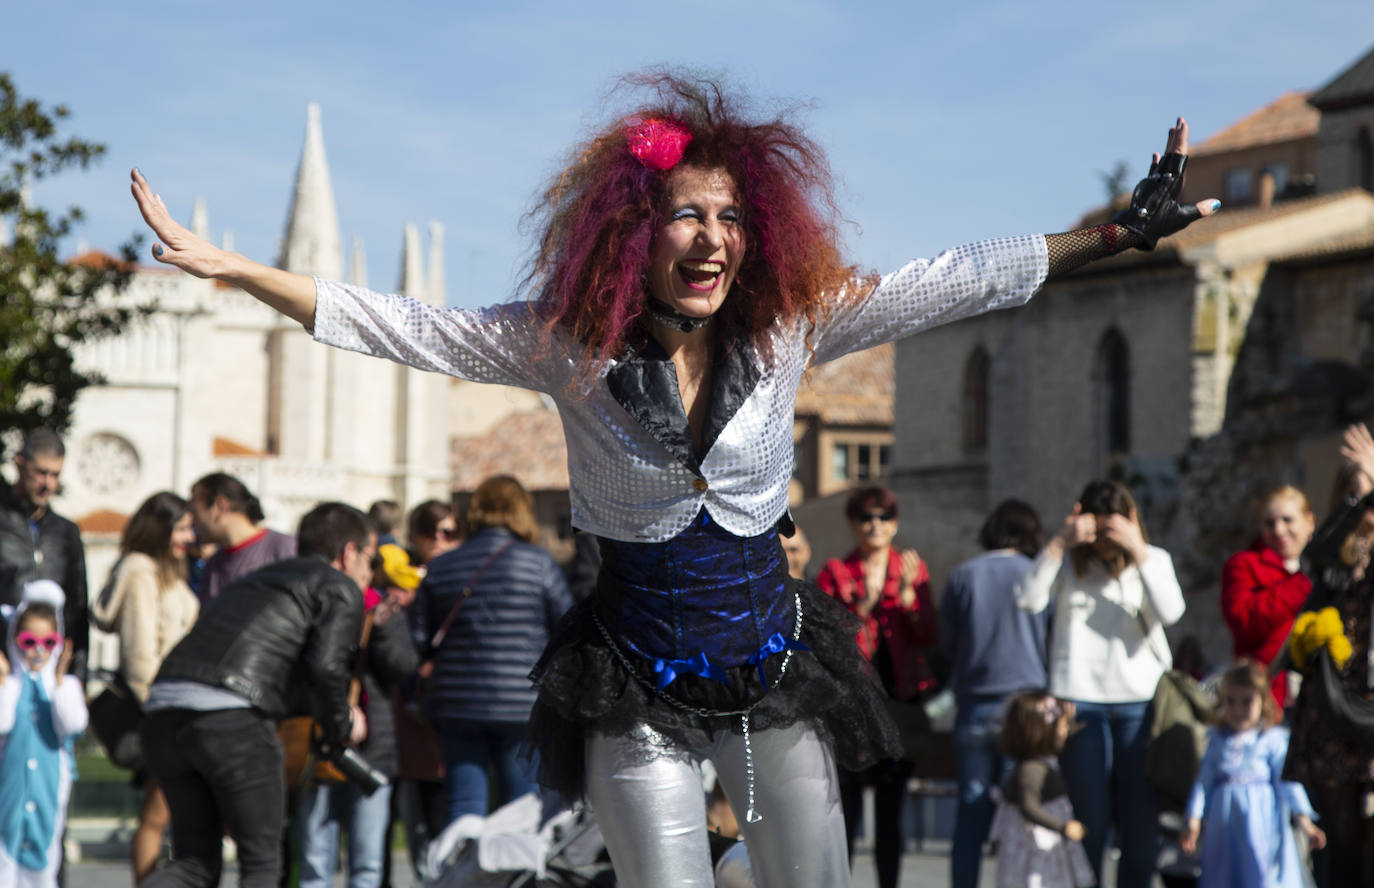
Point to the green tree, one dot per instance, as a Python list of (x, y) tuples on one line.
[(1117, 183), (49, 306)]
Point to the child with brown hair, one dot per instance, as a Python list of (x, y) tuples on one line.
[(1038, 839), (1240, 790)]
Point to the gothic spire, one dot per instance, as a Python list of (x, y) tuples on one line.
[(311, 244)]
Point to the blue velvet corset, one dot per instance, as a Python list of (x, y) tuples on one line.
[(704, 601)]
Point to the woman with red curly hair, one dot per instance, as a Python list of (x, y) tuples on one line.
[(688, 271)]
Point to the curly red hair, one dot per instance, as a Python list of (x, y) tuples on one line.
[(598, 217)]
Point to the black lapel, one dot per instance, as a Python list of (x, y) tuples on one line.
[(645, 384), (735, 377)]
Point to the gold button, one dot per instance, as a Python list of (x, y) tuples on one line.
[(701, 485)]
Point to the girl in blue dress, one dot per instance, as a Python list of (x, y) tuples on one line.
[(42, 709), (1239, 792)]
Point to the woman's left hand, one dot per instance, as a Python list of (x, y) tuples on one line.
[(1124, 530)]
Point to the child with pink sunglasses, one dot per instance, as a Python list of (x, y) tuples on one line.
[(42, 709)]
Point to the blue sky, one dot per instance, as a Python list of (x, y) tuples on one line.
[(945, 122)]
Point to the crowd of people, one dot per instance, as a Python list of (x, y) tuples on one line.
[(418, 655), (414, 656)]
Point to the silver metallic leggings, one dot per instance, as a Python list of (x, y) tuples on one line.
[(653, 813)]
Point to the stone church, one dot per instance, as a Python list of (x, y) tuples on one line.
[(1222, 363), (214, 381)]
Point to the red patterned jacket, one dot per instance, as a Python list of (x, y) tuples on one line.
[(906, 632)]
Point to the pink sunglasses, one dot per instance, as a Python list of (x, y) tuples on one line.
[(28, 641)]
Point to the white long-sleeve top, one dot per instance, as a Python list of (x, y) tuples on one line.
[(1100, 651), (625, 484)]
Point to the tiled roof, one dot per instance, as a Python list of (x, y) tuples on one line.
[(100, 259), (230, 447), (528, 445), (1355, 243), (1209, 229), (856, 389), (1353, 86), (103, 521), (1286, 118)]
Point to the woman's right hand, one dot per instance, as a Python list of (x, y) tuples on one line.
[(1073, 831), (177, 246), (1078, 528), (291, 294)]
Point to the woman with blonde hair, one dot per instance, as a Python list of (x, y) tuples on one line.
[(149, 606), (484, 613), (1112, 597), (1263, 587)]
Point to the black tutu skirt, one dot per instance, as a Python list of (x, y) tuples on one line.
[(585, 685)]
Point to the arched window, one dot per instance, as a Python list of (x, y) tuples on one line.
[(976, 371), (1364, 159), (1112, 394)]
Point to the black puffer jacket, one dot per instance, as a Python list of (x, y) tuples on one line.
[(278, 636), (58, 556)]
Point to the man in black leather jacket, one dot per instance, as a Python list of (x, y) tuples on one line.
[(38, 544), (280, 633)]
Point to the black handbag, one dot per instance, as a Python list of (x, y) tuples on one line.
[(115, 719)]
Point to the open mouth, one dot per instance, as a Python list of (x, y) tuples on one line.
[(700, 275)]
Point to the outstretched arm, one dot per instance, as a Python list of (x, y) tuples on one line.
[(291, 294), (1154, 212)]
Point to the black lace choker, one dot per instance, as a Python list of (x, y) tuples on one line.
[(666, 316)]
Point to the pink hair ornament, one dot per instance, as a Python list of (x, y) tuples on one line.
[(658, 143)]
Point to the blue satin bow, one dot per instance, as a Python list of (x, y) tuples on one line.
[(775, 644), (668, 670)]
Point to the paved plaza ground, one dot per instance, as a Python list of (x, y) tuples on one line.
[(925, 870)]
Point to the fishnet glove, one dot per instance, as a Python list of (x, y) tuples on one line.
[(1071, 249)]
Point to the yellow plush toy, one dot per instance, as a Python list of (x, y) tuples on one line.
[(1313, 630)]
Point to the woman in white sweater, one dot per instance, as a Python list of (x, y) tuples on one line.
[(148, 604), (1111, 598)]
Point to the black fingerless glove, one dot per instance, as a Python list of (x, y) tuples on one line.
[(1155, 211)]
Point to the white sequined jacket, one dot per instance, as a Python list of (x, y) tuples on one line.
[(633, 471)]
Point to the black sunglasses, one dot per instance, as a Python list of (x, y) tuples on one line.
[(877, 516)]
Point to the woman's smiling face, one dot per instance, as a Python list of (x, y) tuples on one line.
[(699, 243)]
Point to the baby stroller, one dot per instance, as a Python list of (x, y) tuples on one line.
[(511, 849)]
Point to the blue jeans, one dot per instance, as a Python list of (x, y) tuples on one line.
[(474, 753), (980, 766), (1104, 767), (324, 808)]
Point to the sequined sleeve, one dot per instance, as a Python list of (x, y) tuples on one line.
[(958, 283), (502, 344)]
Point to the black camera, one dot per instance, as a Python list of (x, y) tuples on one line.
[(353, 766)]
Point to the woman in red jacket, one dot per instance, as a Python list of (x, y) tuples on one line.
[(1263, 587), (888, 589)]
